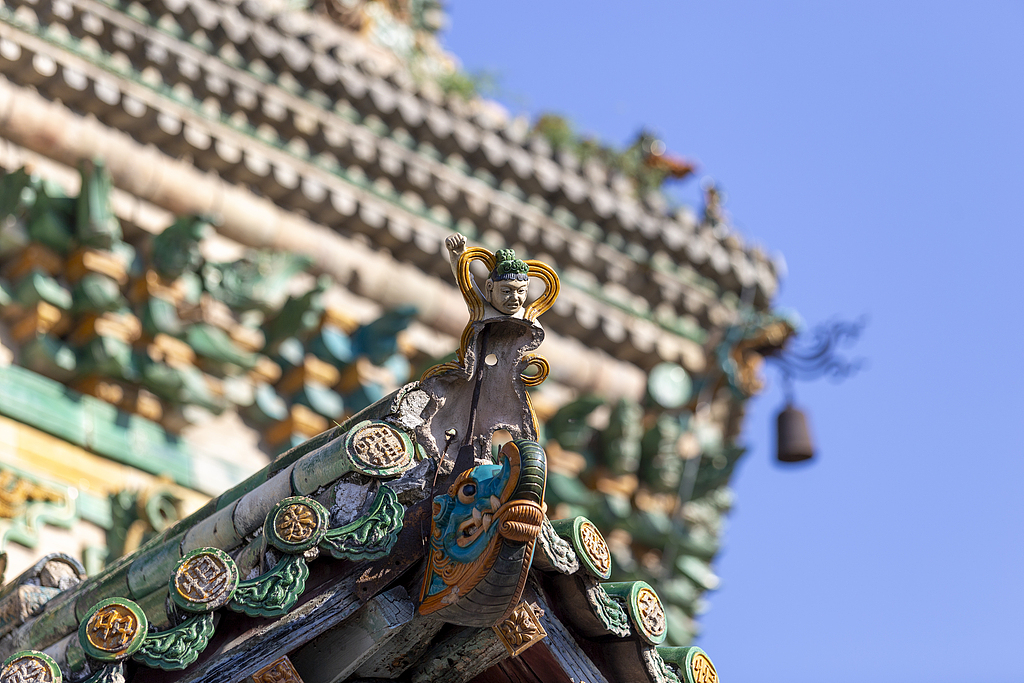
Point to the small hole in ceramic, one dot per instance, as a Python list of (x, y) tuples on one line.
[(491, 359)]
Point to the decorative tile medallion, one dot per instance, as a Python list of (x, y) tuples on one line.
[(521, 629), (113, 630), (597, 550), (644, 606), (652, 614), (204, 580), (30, 666), (296, 524), (588, 543), (279, 671), (378, 449), (702, 669)]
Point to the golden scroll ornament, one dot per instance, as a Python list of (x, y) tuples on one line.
[(651, 611), (596, 547), (521, 629), (278, 671)]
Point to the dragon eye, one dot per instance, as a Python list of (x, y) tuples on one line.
[(467, 492)]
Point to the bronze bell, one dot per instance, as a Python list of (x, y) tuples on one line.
[(794, 439)]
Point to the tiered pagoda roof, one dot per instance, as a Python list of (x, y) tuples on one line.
[(317, 150), (313, 119)]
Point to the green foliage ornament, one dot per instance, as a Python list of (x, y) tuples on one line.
[(176, 648), (112, 673), (275, 592), (372, 535), (609, 611), (30, 666)]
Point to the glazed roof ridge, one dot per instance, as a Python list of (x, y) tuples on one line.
[(232, 523), (383, 76), (425, 244)]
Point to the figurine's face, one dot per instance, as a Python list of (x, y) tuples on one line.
[(507, 296)]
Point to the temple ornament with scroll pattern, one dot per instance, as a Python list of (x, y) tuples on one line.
[(296, 524), (651, 611), (204, 580), (379, 449), (596, 547), (113, 630), (177, 647), (30, 666), (278, 671), (703, 670), (521, 629)]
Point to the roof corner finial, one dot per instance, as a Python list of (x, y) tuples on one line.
[(714, 201)]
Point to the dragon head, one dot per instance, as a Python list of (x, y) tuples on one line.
[(487, 509)]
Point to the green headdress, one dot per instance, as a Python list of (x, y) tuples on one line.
[(508, 267)]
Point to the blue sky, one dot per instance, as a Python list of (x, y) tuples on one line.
[(879, 147)]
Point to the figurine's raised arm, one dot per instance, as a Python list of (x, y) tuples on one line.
[(456, 244), (508, 284)]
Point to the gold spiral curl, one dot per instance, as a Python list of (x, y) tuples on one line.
[(543, 368)]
